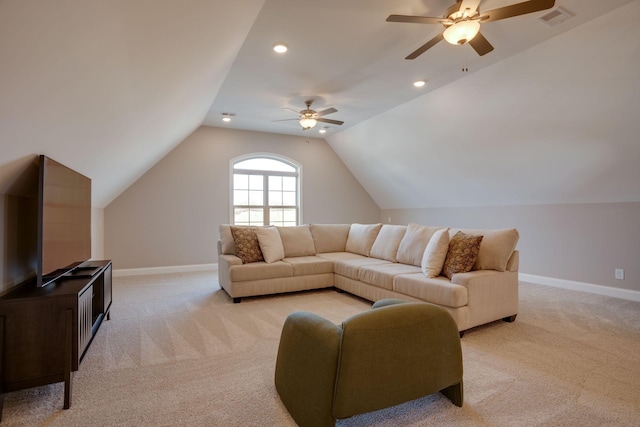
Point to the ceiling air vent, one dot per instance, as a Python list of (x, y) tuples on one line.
[(556, 16)]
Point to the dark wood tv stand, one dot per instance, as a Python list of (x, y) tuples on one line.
[(45, 332)]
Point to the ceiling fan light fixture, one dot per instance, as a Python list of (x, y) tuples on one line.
[(308, 122), (461, 32)]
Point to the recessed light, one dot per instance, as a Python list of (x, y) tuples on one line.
[(322, 131), (280, 47), (226, 117), (419, 83)]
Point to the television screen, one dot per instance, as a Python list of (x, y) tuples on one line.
[(64, 226)]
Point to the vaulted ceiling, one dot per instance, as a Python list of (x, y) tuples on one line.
[(550, 116)]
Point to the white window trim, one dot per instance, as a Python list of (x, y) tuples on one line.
[(278, 157)]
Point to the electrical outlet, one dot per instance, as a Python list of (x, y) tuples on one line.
[(620, 273)]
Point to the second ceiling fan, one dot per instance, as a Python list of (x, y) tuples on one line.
[(462, 23), (308, 118)]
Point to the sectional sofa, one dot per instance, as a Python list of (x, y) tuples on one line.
[(472, 273)]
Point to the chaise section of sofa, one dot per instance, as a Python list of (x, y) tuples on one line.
[(376, 261)]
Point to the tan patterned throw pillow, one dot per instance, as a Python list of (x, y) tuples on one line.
[(247, 244), (462, 254)]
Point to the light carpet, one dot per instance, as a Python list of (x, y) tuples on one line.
[(178, 352)]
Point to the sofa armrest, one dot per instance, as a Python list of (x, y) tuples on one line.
[(224, 270), (306, 367), (491, 294)]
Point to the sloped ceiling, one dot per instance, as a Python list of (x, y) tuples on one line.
[(558, 123), (108, 88)]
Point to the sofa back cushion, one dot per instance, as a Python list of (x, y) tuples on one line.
[(330, 237), (361, 238), (387, 242), (414, 242), (496, 248), (226, 240), (297, 241)]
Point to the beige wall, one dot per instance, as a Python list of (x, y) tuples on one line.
[(577, 242), (170, 216)]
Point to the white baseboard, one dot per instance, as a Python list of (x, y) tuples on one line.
[(581, 286), (163, 270)]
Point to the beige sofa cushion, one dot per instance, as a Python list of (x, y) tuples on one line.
[(381, 275), (260, 271), (349, 267), (435, 253), (330, 237), (270, 243), (247, 245), (297, 241), (309, 265), (387, 242), (496, 248), (462, 254), (414, 242), (361, 238)]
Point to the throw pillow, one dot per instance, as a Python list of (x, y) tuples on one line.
[(361, 238), (436, 253), (247, 245), (297, 241), (462, 254), (414, 242), (387, 242), (270, 244)]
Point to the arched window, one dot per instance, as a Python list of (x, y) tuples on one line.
[(265, 191)]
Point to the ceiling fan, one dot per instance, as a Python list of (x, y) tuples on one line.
[(308, 118), (462, 23)]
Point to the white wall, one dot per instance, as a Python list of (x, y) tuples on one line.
[(170, 216)]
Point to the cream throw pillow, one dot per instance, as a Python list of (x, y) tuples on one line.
[(270, 244), (361, 238), (435, 253)]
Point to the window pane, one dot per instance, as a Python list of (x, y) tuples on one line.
[(240, 197), (256, 182), (290, 215), (275, 183), (255, 198), (240, 216), (289, 198), (275, 198), (275, 216), (256, 216), (289, 183), (264, 164), (240, 181)]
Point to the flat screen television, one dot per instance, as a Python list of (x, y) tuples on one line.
[(64, 221)]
